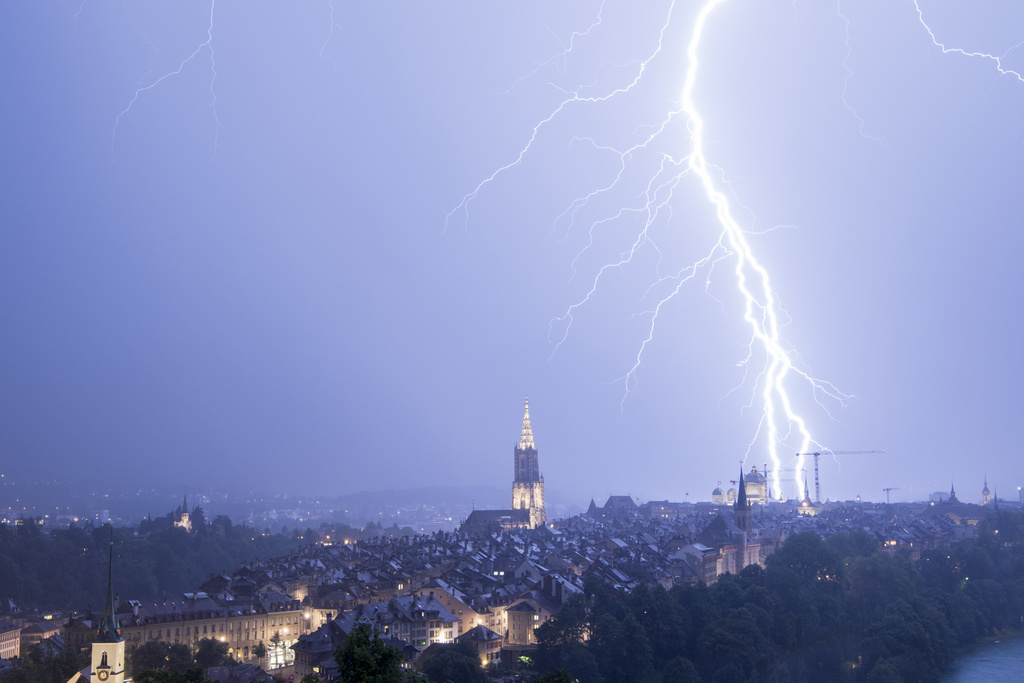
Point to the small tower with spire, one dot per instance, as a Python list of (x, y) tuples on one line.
[(986, 497), (807, 507), (528, 484), (184, 520), (108, 648), (952, 495)]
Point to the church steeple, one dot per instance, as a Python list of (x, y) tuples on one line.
[(741, 497), (108, 648), (527, 484), (741, 510), (184, 519), (109, 629), (952, 494), (526, 440)]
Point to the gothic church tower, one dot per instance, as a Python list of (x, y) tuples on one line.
[(108, 648), (741, 510), (528, 485)]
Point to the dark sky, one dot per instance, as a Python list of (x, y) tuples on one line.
[(235, 251)]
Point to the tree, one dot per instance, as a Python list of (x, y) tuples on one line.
[(221, 525), (198, 520), (365, 658), (558, 676), (276, 644), (212, 652), (153, 655), (810, 557), (193, 674), (260, 650), (455, 663)]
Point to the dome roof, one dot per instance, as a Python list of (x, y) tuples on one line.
[(754, 477), (716, 492)]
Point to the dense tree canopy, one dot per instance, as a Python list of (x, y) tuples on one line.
[(835, 609), (365, 658), (455, 663), (62, 569)]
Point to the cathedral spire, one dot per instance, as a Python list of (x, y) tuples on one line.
[(527, 484), (526, 440), (109, 629)]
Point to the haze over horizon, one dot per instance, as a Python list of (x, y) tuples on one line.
[(226, 256)]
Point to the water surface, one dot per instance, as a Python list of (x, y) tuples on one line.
[(1001, 662)]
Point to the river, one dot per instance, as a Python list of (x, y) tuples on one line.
[(1001, 662)]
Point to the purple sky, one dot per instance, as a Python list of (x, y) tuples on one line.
[(225, 255)]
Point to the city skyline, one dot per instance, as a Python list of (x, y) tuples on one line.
[(236, 249)]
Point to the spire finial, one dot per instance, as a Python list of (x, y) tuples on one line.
[(526, 440)]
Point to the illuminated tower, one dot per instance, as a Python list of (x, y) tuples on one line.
[(183, 521), (528, 485), (108, 648), (985, 496)]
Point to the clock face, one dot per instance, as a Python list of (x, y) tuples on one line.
[(103, 674)]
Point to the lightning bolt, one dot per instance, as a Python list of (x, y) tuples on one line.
[(849, 73), (78, 13), (574, 97), (205, 45), (778, 423), (997, 61), (330, 35), (155, 50), (778, 417), (563, 56)]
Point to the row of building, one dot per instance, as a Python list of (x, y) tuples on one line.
[(493, 589), (497, 579)]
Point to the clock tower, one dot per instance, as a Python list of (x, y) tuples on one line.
[(108, 648)]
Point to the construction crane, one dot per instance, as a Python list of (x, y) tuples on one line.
[(817, 486), (891, 488)]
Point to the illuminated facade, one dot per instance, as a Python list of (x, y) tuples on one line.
[(528, 486), (10, 640), (755, 489), (183, 519), (756, 485), (527, 492), (241, 623)]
